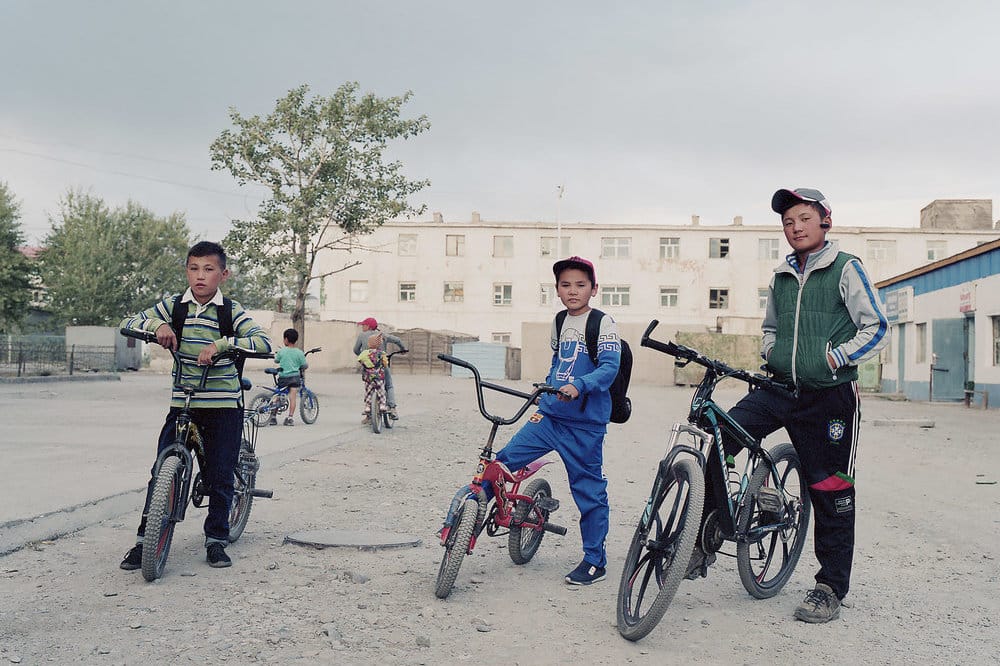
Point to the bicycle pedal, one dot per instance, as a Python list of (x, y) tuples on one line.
[(197, 491), (769, 499), (547, 504)]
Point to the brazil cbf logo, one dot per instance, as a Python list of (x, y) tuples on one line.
[(835, 430)]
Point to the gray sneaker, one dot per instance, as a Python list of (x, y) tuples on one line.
[(820, 605)]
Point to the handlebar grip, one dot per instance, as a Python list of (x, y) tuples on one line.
[(145, 336), (249, 354), (454, 360), (555, 529)]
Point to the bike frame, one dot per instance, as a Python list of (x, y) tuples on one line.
[(504, 483), (708, 427)]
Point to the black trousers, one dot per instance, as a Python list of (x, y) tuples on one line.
[(823, 428)]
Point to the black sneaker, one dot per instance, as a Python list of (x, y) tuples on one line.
[(217, 556), (698, 566), (289, 421), (133, 558), (585, 574), (273, 421)]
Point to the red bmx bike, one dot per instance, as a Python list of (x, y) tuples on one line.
[(523, 513)]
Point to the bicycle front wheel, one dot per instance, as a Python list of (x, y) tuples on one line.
[(523, 542), (159, 521), (456, 546), (244, 481), (308, 406), (658, 557), (376, 415), (771, 542)]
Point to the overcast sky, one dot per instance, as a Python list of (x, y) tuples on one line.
[(644, 111)]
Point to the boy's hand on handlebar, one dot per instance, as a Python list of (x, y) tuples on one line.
[(568, 393), (207, 354), (166, 338)]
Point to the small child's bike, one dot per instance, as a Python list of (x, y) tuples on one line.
[(377, 409), (523, 513), (764, 510), (270, 402), (174, 466)]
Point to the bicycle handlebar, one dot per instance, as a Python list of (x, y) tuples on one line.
[(720, 369), (529, 398)]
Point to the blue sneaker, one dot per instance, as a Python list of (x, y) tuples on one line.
[(585, 574)]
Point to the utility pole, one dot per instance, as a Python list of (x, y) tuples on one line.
[(560, 189)]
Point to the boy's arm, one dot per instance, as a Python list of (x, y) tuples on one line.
[(358, 343), (609, 357), (769, 327), (150, 321), (866, 312), (249, 335), (392, 339)]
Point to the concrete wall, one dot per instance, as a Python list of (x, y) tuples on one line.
[(957, 214)]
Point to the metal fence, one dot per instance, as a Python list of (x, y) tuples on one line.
[(23, 356)]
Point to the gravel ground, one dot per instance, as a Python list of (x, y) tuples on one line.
[(925, 587)]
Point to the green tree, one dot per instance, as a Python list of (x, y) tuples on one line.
[(323, 160), (16, 270), (100, 265)]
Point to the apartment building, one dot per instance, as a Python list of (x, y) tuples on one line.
[(487, 278)]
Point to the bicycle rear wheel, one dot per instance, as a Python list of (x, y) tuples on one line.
[(523, 542), (457, 545), (244, 481), (376, 415), (767, 557), (262, 408), (159, 521), (658, 557), (308, 406)]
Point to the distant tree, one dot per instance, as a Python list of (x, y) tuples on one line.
[(15, 269), (323, 160), (99, 265)]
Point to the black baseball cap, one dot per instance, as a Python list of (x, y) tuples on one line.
[(785, 199), (575, 262)]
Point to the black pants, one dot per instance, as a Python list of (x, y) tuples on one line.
[(823, 427), (221, 431)]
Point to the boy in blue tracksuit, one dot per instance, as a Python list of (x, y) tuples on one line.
[(574, 423)]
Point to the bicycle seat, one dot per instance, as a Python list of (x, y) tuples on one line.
[(271, 371)]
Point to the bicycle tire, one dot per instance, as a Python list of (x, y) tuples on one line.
[(456, 547), (376, 414), (755, 559), (387, 420), (260, 406), (523, 543), (674, 537), (159, 522), (244, 481), (308, 406)]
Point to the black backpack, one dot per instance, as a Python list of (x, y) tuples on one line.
[(179, 314), (621, 406)]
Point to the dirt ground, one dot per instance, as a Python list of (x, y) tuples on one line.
[(925, 585)]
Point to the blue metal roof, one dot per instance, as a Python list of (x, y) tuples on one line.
[(950, 274)]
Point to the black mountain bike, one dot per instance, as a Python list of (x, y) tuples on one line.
[(173, 468), (764, 510)]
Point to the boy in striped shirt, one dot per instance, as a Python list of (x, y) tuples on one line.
[(218, 410)]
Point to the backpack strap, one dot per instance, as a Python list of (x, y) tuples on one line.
[(592, 333), (177, 316), (226, 318)]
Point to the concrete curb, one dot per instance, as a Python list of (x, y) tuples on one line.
[(62, 378)]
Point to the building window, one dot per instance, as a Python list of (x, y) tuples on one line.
[(407, 292), (359, 291), (454, 292), (718, 299), (767, 248), (407, 245), (619, 247), (936, 249), (881, 250), (547, 246), (546, 294), (454, 245), (718, 248), (762, 298), (996, 340), (613, 296), (503, 246), (502, 293), (670, 248), (922, 342), (668, 296), (501, 338)]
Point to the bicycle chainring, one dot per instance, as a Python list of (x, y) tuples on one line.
[(197, 491), (711, 534)]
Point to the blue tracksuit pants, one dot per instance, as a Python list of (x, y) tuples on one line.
[(582, 453)]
